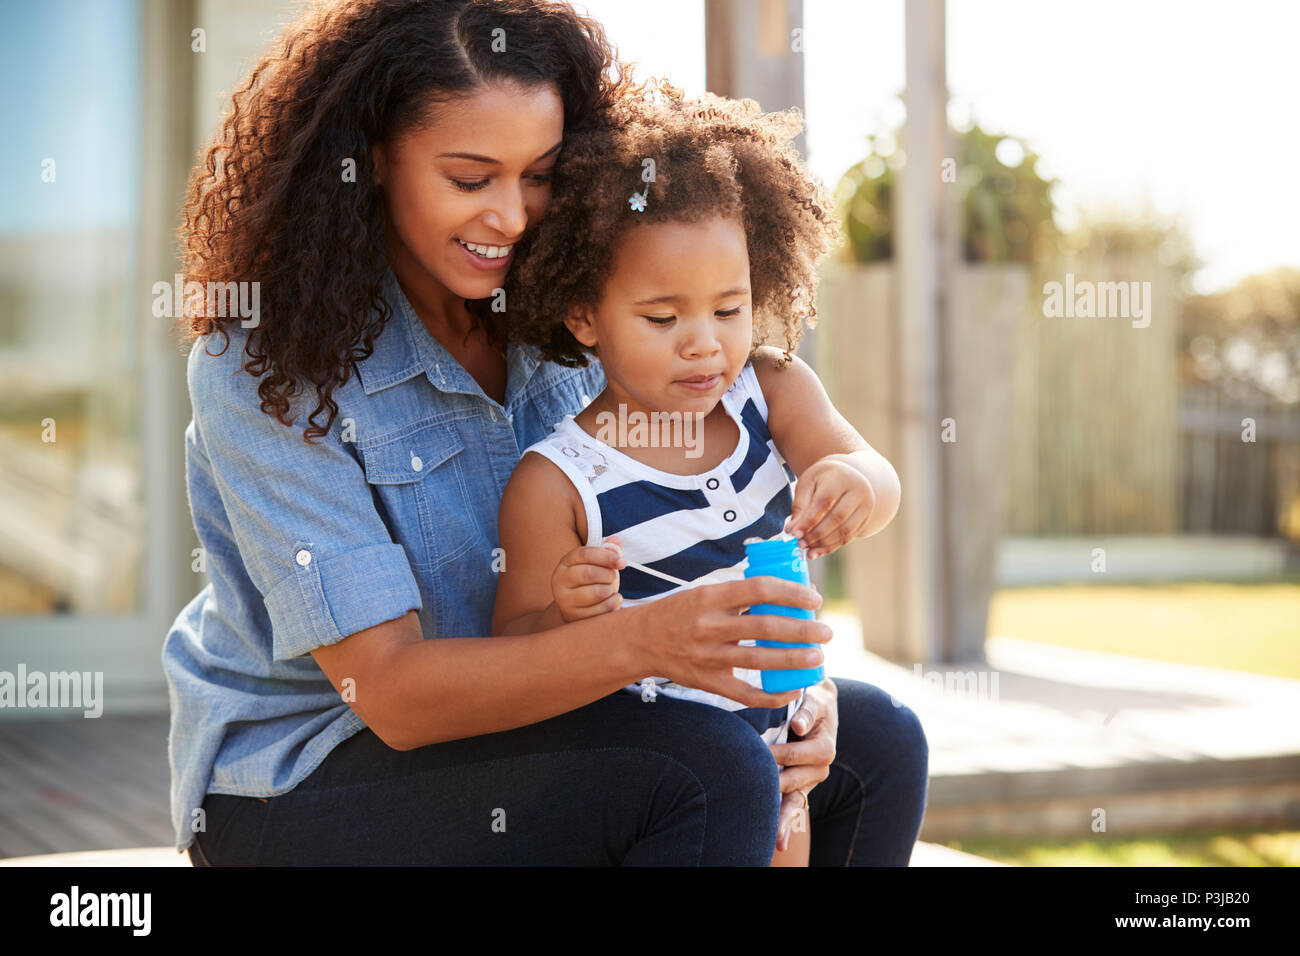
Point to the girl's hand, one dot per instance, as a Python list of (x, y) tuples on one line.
[(833, 502), (806, 762), (585, 582)]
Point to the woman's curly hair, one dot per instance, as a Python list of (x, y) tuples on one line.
[(712, 156), (269, 202)]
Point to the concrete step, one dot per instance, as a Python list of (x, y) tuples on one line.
[(1133, 558)]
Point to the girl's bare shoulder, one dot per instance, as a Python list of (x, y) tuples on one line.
[(540, 493)]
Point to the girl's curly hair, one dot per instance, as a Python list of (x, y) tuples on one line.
[(270, 203), (712, 156)]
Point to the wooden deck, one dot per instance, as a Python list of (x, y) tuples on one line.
[(78, 784)]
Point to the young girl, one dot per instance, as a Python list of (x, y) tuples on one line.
[(702, 232)]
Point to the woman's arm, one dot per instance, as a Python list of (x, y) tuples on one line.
[(412, 692)]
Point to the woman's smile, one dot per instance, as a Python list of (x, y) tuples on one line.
[(485, 257)]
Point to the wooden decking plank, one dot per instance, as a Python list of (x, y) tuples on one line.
[(52, 833), (61, 750), (15, 841), (96, 800), (133, 794), (77, 782), (59, 739), (144, 741), (135, 745), (80, 828), (105, 747), (45, 807)]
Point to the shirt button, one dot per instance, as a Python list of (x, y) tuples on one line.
[(711, 484), (417, 463), (303, 557), (729, 515)]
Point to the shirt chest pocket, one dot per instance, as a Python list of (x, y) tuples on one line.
[(417, 482)]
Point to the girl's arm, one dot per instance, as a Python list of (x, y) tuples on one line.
[(536, 526), (529, 623), (808, 429), (541, 524)]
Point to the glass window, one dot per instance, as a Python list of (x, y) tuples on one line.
[(71, 488)]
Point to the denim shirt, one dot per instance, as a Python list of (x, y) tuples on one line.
[(394, 510)]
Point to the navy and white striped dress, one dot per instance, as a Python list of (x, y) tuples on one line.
[(691, 527)]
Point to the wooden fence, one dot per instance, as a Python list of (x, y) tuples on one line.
[(1104, 439), (1094, 441), (1240, 465)]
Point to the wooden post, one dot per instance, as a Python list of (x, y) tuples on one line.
[(169, 70), (924, 268), (751, 53)]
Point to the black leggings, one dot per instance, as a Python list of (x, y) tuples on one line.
[(617, 782)]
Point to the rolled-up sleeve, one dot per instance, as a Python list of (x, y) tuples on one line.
[(301, 515)]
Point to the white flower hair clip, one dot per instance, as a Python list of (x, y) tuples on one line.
[(638, 200)]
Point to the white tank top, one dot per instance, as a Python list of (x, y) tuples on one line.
[(688, 527)]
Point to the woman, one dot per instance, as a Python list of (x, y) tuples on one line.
[(372, 179)]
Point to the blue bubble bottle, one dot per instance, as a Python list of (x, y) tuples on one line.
[(781, 557)]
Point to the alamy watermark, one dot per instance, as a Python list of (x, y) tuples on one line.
[(637, 429), (965, 685), (1098, 300), (75, 908), (80, 689), (209, 299)]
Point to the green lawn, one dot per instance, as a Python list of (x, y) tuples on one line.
[(1246, 627), (1251, 627), (1192, 848)]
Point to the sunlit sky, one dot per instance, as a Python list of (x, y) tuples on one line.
[(1190, 106)]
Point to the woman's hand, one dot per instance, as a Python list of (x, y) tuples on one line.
[(585, 582), (806, 762), (692, 637), (833, 504)]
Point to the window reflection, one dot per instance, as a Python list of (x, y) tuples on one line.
[(71, 495)]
